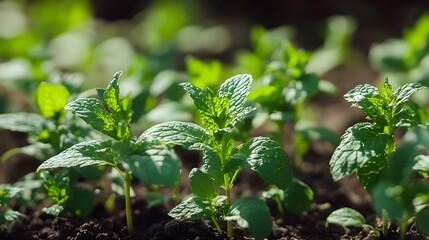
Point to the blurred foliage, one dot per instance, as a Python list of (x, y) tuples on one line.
[(405, 59)]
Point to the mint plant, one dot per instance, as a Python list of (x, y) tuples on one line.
[(222, 159), (366, 148), (286, 88), (7, 193), (143, 158), (400, 194), (49, 132)]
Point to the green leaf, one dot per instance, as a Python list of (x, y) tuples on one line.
[(302, 89), (57, 185), (7, 193), (268, 158), (407, 114), (154, 164), (92, 152), (369, 173), (111, 95), (422, 221), (422, 164), (202, 184), (386, 197), (187, 135), (360, 92), (93, 112), (9, 215), (212, 109), (252, 214), (155, 199), (266, 95), (298, 197), (81, 201), (53, 210), (212, 166), (236, 89), (359, 143), (346, 217), (204, 74), (192, 208), (23, 122), (403, 93), (51, 99)]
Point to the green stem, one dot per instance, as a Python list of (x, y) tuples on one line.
[(296, 137), (404, 227), (385, 223), (227, 188), (216, 224), (279, 204), (128, 178)]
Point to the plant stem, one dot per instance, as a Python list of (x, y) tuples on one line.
[(385, 223), (279, 204), (216, 224), (227, 188), (128, 178), (404, 227)]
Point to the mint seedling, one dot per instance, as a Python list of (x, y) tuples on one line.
[(366, 147), (222, 160), (286, 88), (143, 158), (7, 193), (399, 194)]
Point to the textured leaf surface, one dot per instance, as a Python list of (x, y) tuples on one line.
[(202, 184), (188, 135), (346, 217), (154, 164), (51, 99), (369, 173), (236, 89), (22, 122), (359, 143), (53, 210), (403, 93), (212, 109), (268, 158), (92, 152), (111, 94), (93, 112), (360, 92), (212, 166), (192, 208), (252, 214)]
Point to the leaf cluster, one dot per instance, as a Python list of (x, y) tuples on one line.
[(7, 193), (222, 160), (366, 147), (146, 159)]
